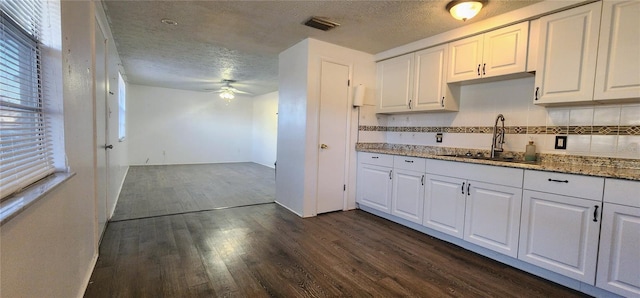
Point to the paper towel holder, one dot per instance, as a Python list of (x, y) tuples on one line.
[(358, 97)]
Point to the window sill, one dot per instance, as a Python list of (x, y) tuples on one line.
[(15, 204)]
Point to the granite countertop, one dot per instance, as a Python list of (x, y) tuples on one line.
[(628, 169)]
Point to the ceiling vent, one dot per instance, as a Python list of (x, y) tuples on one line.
[(321, 23)]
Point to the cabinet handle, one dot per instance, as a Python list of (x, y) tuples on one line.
[(409, 104), (483, 69), (390, 171), (462, 188), (595, 213), (409, 161), (537, 89), (561, 181), (422, 180), (375, 157), (442, 102), (478, 69), (468, 187)]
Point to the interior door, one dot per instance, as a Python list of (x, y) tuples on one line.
[(100, 127), (332, 136)]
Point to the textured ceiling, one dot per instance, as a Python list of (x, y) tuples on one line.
[(241, 40)]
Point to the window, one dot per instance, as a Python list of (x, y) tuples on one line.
[(122, 108), (25, 150)]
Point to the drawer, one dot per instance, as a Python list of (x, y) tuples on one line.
[(409, 163), (376, 159), (565, 184), (623, 192)]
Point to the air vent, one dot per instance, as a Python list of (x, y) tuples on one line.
[(321, 23)]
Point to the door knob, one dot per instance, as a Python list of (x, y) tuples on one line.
[(108, 147), (324, 146)]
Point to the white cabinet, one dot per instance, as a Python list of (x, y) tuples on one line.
[(374, 181), (568, 47), (492, 217), (415, 82), (561, 223), (431, 91), (619, 255), (496, 53), (395, 84), (618, 66), (444, 204), (407, 196), (478, 203)]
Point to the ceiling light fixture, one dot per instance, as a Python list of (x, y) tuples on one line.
[(227, 95), (464, 10), (169, 22)]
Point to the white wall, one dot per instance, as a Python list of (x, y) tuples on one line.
[(169, 126), (49, 249), (299, 87), (265, 129)]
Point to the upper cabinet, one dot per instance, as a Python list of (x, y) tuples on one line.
[(415, 82), (618, 67), (574, 41), (496, 53), (568, 47)]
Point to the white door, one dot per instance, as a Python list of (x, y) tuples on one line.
[(444, 204), (395, 84), (100, 127), (492, 217), (408, 195), (568, 48), (374, 187), (560, 233), (332, 136), (618, 70), (619, 256)]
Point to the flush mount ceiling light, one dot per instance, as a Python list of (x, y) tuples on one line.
[(464, 10), (169, 22)]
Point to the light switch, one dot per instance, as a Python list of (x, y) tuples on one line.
[(439, 137), (561, 142)]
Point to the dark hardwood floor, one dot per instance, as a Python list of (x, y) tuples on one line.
[(264, 250), (172, 189)]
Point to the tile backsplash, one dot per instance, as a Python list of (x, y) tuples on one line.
[(594, 130)]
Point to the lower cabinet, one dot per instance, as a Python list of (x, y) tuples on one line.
[(560, 233), (444, 204), (492, 217), (374, 181), (408, 194)]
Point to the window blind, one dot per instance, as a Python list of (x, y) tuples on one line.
[(25, 149)]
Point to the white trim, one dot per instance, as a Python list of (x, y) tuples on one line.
[(291, 210), (87, 277)]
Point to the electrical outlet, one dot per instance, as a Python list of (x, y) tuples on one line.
[(561, 143), (439, 137)]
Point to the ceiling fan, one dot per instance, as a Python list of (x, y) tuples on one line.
[(228, 92)]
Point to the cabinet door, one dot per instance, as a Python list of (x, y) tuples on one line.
[(374, 187), (559, 233), (492, 218), (444, 204), (408, 195), (618, 70), (567, 57), (619, 257), (505, 50), (395, 84), (430, 86), (465, 58)]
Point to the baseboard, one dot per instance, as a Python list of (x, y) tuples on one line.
[(87, 277), (291, 210), (124, 177)]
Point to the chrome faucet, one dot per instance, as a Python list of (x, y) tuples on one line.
[(498, 137)]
